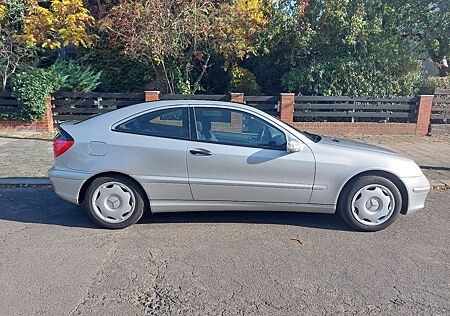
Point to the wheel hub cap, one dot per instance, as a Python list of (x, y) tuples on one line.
[(373, 204), (113, 202)]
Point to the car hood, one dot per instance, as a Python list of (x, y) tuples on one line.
[(331, 141)]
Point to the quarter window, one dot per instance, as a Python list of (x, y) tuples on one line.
[(232, 127), (170, 123)]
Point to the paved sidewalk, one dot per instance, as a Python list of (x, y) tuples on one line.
[(32, 157), (432, 154)]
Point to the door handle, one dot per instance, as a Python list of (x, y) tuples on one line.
[(200, 152)]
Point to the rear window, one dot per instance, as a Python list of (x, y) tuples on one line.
[(169, 123)]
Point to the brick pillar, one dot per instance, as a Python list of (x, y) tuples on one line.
[(237, 97), (45, 123), (424, 114), (151, 96), (236, 118), (287, 104)]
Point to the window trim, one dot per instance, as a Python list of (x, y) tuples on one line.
[(194, 130), (134, 116)]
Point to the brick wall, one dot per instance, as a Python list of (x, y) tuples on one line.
[(45, 124), (359, 128)]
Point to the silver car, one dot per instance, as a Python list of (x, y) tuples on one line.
[(179, 156)]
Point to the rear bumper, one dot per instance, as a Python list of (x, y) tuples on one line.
[(418, 188), (67, 184)]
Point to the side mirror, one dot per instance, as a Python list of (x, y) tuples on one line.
[(294, 146)]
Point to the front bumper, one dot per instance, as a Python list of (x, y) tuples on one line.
[(67, 183), (418, 188)]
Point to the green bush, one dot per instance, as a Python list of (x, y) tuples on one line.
[(77, 77), (32, 85), (30, 88), (354, 77), (119, 73), (244, 81), (431, 84)]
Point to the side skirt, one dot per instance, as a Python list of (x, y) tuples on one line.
[(167, 206)]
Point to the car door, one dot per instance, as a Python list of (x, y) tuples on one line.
[(152, 149), (236, 155)]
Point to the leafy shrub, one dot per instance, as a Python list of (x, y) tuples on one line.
[(244, 81), (355, 77), (118, 72), (32, 85), (30, 88), (431, 84), (77, 77)]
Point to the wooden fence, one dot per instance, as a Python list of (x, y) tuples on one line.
[(68, 106), (8, 104), (333, 114), (75, 106), (440, 112), (355, 109)]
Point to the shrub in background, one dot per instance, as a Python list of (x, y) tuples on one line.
[(431, 84), (242, 80), (118, 72), (77, 78), (32, 85)]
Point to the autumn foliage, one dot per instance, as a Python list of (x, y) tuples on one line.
[(63, 22)]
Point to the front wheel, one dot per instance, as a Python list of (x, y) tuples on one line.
[(370, 203), (114, 202)]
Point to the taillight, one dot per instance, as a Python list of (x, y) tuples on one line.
[(61, 143)]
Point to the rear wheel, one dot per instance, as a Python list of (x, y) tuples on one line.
[(370, 203), (114, 202)]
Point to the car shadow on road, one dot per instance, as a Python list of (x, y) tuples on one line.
[(320, 221), (42, 206)]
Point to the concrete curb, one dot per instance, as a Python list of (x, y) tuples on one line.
[(25, 181), (45, 182)]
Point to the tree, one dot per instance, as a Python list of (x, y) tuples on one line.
[(57, 23), (12, 51), (427, 23), (179, 37), (347, 47)]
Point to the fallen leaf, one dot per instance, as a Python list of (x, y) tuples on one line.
[(300, 241)]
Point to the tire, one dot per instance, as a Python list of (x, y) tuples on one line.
[(114, 202), (370, 203)]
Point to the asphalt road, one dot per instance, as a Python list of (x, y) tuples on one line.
[(55, 262)]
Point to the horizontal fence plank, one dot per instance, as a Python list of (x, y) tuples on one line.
[(349, 106), (442, 116), (300, 114), (440, 108), (92, 103), (81, 110), (442, 91), (261, 98), (10, 102), (263, 106), (106, 95), (8, 110), (6, 94), (302, 98), (213, 97), (71, 117), (441, 100)]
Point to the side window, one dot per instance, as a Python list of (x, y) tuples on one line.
[(232, 127), (171, 123)]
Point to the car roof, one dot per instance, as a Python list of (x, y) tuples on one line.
[(122, 113), (111, 118)]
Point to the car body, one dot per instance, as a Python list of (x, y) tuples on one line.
[(196, 155)]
